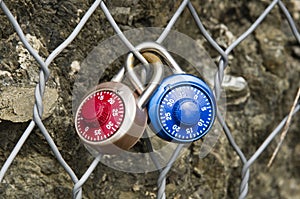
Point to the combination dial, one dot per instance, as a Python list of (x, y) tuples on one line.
[(100, 115), (108, 120), (183, 109)]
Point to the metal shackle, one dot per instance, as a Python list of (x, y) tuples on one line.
[(157, 68), (150, 47), (157, 48)]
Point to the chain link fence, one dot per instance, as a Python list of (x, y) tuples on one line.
[(223, 61)]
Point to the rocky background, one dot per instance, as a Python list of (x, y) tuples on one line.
[(268, 62)]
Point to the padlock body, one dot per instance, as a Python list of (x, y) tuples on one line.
[(182, 109), (108, 119)]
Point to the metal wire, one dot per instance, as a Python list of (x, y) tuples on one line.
[(173, 20), (121, 35), (223, 62), (39, 91), (77, 187), (290, 20)]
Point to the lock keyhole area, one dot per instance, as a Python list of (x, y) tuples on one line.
[(95, 113), (186, 112), (100, 115)]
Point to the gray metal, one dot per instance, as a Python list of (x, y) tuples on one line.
[(157, 76), (163, 52), (157, 68)]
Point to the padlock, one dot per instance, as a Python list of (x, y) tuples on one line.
[(183, 107), (109, 120)]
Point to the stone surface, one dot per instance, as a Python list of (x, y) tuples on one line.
[(265, 65), (237, 90), (16, 103)]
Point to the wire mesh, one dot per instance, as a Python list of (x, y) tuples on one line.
[(222, 64)]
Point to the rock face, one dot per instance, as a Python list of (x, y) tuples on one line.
[(16, 103), (260, 84)]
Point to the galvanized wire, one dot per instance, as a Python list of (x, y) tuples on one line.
[(223, 62), (39, 91)]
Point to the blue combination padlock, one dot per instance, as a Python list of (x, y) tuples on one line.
[(183, 108)]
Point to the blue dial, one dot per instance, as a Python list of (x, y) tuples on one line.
[(182, 111)]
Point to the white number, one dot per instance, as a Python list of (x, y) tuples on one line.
[(111, 101), (168, 116), (170, 102), (189, 130), (200, 123), (97, 132), (109, 125), (101, 97), (176, 128), (86, 129), (115, 112), (196, 97), (203, 109)]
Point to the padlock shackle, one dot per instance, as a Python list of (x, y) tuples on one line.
[(129, 65), (154, 47), (147, 47), (157, 48), (145, 93), (119, 76)]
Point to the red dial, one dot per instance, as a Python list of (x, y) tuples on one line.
[(100, 115)]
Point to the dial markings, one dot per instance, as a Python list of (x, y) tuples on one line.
[(100, 115), (188, 126)]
